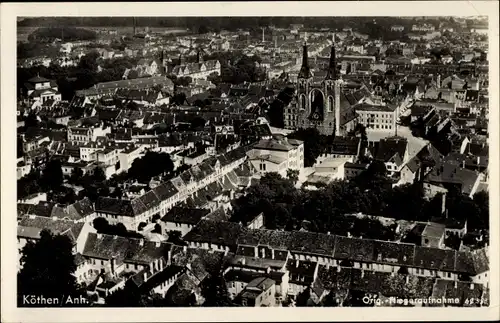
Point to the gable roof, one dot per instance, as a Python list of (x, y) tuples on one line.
[(131, 250)]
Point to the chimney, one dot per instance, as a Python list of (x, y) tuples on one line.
[(113, 265)]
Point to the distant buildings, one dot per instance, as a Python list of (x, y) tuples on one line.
[(199, 70)]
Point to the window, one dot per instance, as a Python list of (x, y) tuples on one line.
[(303, 101), (331, 104)]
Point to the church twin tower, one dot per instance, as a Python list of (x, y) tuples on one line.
[(318, 103)]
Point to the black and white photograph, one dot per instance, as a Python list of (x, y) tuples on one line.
[(253, 161)]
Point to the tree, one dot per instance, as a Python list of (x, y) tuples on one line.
[(29, 184), (175, 237), (47, 270), (31, 121), (214, 290), (157, 228), (183, 81), (141, 226), (88, 62), (179, 98), (76, 175), (330, 300), (117, 193), (315, 144), (150, 165), (100, 224), (68, 197), (293, 175), (98, 175), (303, 298), (129, 296), (133, 74), (198, 123), (52, 175)]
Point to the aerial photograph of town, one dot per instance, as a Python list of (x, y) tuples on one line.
[(253, 162)]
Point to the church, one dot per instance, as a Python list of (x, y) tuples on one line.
[(318, 103)]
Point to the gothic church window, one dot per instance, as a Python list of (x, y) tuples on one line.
[(330, 104), (303, 102)]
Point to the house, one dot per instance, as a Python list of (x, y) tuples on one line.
[(40, 89), (30, 226), (352, 170), (33, 143), (327, 170), (220, 236), (149, 67), (420, 165), (182, 219), (277, 155), (80, 211), (109, 88), (259, 292), (85, 135), (131, 213), (433, 235), (201, 69), (116, 255), (377, 117), (345, 148), (302, 273), (446, 175), (393, 151), (23, 169), (127, 156), (146, 97)]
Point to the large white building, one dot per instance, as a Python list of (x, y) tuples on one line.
[(377, 117), (277, 155), (41, 89)]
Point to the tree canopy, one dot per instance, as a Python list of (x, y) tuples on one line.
[(215, 292), (150, 165), (47, 270), (315, 144), (324, 210), (64, 33)]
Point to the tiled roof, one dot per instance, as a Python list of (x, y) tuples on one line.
[(123, 249), (31, 226), (185, 215), (449, 173), (165, 191), (220, 233), (120, 207)]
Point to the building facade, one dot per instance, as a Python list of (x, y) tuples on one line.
[(317, 104)]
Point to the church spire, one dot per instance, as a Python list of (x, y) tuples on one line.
[(332, 68), (305, 72)]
